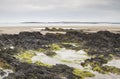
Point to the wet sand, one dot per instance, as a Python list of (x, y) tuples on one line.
[(17, 29)]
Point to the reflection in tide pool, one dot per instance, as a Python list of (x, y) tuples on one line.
[(68, 57), (72, 56), (114, 62)]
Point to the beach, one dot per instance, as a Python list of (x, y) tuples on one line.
[(89, 29)]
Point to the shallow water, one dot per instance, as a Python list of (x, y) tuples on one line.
[(114, 62), (58, 24), (68, 57)]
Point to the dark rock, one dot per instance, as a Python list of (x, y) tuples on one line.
[(50, 53), (2, 73)]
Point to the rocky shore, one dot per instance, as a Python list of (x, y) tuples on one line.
[(102, 47)]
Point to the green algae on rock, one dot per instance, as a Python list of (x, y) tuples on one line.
[(82, 74)]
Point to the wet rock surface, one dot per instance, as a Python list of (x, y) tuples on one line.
[(2, 72)]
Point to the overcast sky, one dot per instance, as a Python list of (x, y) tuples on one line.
[(59, 10)]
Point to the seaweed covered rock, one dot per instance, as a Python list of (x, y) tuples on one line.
[(100, 46), (31, 71)]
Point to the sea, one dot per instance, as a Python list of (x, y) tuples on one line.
[(59, 24)]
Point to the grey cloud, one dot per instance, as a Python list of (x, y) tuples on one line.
[(41, 5), (60, 9)]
